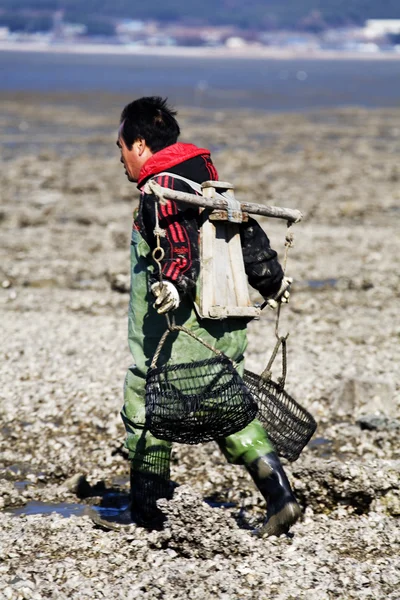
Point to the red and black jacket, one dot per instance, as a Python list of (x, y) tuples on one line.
[(180, 221)]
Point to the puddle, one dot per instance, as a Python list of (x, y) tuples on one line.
[(319, 441), (114, 514), (64, 509), (18, 470), (121, 481), (111, 509), (113, 505), (15, 469), (321, 446), (322, 284), (21, 475), (22, 485), (219, 504)]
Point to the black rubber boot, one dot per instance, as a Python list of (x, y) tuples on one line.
[(142, 510), (282, 507), (146, 489)]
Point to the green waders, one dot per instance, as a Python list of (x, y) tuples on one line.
[(150, 456)]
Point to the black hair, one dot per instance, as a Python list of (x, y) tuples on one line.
[(150, 118)]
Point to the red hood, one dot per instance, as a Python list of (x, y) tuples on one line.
[(169, 157)]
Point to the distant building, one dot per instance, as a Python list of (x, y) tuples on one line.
[(66, 31), (129, 27), (4, 33), (206, 35), (71, 31), (290, 39), (235, 42), (378, 28)]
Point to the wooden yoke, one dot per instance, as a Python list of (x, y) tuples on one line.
[(222, 291)]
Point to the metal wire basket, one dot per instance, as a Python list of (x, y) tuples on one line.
[(289, 425), (196, 402)]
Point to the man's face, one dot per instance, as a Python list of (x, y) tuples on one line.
[(132, 158)]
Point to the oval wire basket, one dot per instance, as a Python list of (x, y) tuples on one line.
[(196, 402), (289, 425)]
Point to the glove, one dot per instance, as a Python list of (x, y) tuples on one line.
[(167, 296), (282, 296)]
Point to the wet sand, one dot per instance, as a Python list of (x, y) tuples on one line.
[(65, 217)]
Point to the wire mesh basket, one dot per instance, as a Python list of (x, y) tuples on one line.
[(289, 425), (198, 401)]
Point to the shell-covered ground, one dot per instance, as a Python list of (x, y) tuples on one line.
[(65, 227)]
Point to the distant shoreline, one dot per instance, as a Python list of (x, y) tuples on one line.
[(272, 53)]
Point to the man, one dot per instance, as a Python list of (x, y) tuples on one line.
[(148, 141)]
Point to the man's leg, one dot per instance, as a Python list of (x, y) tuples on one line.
[(149, 457), (149, 478), (252, 448)]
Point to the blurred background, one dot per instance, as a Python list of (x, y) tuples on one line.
[(259, 54)]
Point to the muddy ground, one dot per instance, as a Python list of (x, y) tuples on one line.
[(65, 228)]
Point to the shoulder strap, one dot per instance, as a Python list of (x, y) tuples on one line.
[(193, 184)]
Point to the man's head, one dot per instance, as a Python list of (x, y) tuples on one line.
[(147, 125)]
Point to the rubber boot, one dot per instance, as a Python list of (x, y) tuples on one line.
[(142, 510), (282, 507), (146, 489)]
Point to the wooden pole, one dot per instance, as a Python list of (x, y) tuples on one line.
[(276, 212)]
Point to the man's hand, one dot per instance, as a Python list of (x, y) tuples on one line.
[(282, 296), (167, 296)]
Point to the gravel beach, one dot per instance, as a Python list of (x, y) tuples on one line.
[(65, 215)]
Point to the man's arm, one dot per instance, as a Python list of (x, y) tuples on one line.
[(261, 264)]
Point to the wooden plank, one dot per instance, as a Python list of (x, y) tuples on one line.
[(236, 267), (207, 236), (276, 212), (224, 284), (220, 312), (217, 185), (206, 299)]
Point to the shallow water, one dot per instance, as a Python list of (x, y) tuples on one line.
[(65, 509), (112, 506), (322, 283), (267, 84)]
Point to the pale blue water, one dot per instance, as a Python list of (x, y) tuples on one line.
[(214, 83), (65, 509)]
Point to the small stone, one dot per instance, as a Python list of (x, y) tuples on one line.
[(377, 423)]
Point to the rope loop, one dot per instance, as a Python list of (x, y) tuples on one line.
[(171, 327), (289, 238), (158, 254), (267, 373), (289, 243)]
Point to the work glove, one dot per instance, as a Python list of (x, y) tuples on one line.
[(167, 296), (282, 296)]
